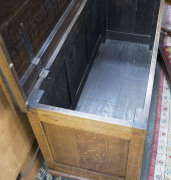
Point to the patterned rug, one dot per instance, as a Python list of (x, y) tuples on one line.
[(160, 164), (43, 175)]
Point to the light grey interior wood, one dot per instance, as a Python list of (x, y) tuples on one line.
[(117, 83)]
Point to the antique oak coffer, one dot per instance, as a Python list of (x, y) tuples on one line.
[(83, 71)]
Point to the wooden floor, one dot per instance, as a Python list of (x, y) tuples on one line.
[(117, 83)]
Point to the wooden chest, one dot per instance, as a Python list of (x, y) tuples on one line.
[(83, 71)]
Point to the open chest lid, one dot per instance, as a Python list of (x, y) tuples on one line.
[(28, 37)]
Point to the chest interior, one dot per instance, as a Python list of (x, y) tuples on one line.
[(92, 56)]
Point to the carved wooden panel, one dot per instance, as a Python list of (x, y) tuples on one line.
[(39, 17), (8, 9), (92, 24), (88, 150), (56, 89)]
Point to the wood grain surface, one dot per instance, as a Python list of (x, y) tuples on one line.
[(8, 9), (56, 89), (88, 150), (77, 145), (38, 17), (16, 139), (134, 17), (32, 164)]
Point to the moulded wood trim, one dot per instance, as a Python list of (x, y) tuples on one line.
[(82, 174), (41, 137), (129, 37), (135, 157), (58, 173), (79, 122), (46, 109)]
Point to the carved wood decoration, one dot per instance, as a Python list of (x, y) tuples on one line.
[(8, 9), (38, 17)]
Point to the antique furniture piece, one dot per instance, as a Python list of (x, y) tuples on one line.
[(83, 71)]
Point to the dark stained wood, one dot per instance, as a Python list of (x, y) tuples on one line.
[(144, 16), (8, 9), (57, 90), (97, 21), (78, 51), (76, 60), (129, 37), (38, 17), (92, 25), (130, 16), (52, 41), (121, 15), (46, 51), (103, 20)]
